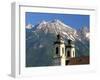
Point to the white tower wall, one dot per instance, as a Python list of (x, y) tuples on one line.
[(72, 52), (61, 53)]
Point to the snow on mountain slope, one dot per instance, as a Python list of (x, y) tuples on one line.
[(29, 26), (56, 27), (41, 37)]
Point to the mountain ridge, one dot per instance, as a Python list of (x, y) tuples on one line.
[(40, 39), (56, 26)]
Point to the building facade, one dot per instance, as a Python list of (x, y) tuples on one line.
[(63, 52)]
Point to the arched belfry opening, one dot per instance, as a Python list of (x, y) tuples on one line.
[(57, 50), (68, 53)]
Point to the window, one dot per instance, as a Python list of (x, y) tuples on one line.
[(56, 50), (68, 53), (73, 53)]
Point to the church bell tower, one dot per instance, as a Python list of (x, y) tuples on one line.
[(70, 50), (60, 51), (63, 54)]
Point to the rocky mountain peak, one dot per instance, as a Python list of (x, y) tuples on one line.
[(56, 26)]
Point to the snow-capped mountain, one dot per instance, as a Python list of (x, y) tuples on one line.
[(84, 32), (58, 27), (40, 39), (29, 26), (54, 26)]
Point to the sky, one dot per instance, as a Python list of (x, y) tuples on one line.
[(74, 20)]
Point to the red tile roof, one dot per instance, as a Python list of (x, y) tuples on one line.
[(79, 60)]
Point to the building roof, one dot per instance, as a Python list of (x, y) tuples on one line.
[(70, 46), (79, 60), (58, 42)]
